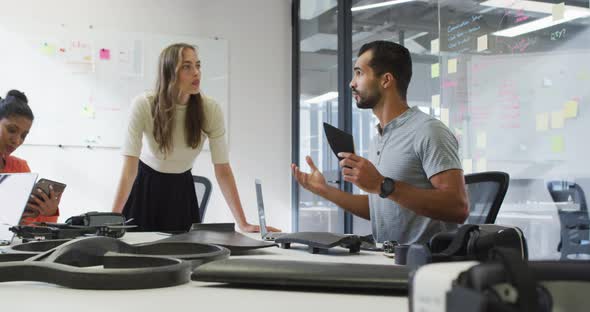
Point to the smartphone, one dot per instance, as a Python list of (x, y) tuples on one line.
[(44, 184)]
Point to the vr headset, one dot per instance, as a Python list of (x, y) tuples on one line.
[(469, 242), (439, 262), (506, 283)]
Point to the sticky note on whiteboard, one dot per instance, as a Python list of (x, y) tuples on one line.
[(435, 70), (558, 11), (542, 122), (105, 54), (452, 66), (482, 43), (48, 49), (434, 46), (570, 109), (557, 144), (557, 120), (444, 116), (583, 75), (436, 101)]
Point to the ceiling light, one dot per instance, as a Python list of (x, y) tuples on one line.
[(378, 5), (322, 98), (418, 35), (570, 13), (540, 24), (525, 5)]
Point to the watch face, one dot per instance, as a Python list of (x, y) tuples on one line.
[(387, 187)]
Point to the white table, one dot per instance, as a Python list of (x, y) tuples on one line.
[(200, 296)]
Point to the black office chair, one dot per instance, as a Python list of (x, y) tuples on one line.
[(203, 189), (565, 191), (486, 191), (575, 224)]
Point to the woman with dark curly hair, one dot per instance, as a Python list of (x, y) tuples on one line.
[(16, 119)]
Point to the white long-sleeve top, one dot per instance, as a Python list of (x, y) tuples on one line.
[(140, 142)]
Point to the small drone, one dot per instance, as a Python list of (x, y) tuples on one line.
[(89, 224)]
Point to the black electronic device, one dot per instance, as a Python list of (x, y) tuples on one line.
[(43, 185), (108, 224), (222, 234), (340, 141), (469, 242), (389, 248), (106, 262), (309, 275), (503, 283), (321, 241)]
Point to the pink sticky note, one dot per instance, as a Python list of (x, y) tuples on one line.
[(105, 54)]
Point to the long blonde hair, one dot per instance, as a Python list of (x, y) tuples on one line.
[(163, 108)]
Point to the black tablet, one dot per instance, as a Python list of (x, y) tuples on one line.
[(339, 140)]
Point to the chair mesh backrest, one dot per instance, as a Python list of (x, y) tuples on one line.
[(486, 191), (564, 191), (481, 199), (203, 191), (575, 225), (200, 190)]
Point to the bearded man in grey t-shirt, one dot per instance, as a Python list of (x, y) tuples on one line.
[(413, 176)]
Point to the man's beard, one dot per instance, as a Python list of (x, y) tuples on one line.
[(367, 102)]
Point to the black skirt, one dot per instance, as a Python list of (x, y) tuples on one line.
[(162, 201)]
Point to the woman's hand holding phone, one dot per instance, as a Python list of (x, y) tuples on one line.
[(42, 204)]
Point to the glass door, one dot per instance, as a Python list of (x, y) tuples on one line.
[(318, 103)]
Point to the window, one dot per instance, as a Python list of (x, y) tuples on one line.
[(509, 78)]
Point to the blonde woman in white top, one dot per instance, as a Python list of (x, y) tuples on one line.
[(156, 186)]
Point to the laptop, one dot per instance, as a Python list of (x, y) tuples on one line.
[(270, 236), (14, 195)]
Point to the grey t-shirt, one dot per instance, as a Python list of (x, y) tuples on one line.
[(411, 148)]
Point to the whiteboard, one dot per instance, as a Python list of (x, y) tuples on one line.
[(513, 90), (80, 83)]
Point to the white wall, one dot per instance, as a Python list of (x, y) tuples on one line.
[(260, 96)]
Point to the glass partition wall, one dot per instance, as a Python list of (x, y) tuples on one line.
[(318, 103), (509, 78)]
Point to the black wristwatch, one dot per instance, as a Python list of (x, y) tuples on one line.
[(387, 187)]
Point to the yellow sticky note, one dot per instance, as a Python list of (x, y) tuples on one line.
[(482, 139), (88, 111), (467, 166), (444, 116), (482, 165), (48, 49), (542, 121), (557, 144), (570, 109), (583, 75), (436, 101), (434, 46), (557, 120), (558, 11), (452, 66), (482, 43), (435, 70)]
